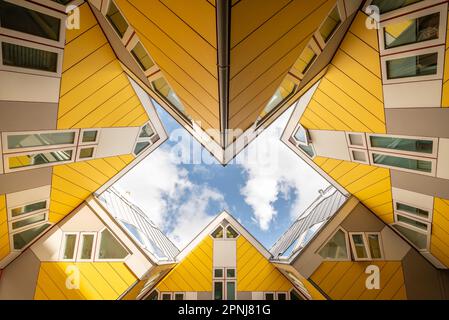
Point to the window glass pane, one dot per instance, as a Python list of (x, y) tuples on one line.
[(25, 20), (218, 233), (307, 149), (90, 136), (230, 273), (164, 89), (359, 155), (374, 246), (218, 290), (336, 247), (412, 31), (110, 248), (140, 146), (359, 246), (152, 296), (231, 233), (283, 92), (23, 238), (218, 273), (230, 290), (415, 211), (422, 65), (29, 208), (413, 145), (405, 163), (87, 247), (389, 5), (294, 295), (305, 60), (70, 245), (282, 296), (412, 222), (179, 296), (166, 296), (28, 221), (330, 24), (269, 296), (417, 238), (117, 20), (87, 153), (35, 159), (40, 139), (356, 140), (301, 136), (15, 55), (146, 131), (142, 57)]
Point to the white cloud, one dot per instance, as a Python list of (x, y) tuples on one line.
[(275, 172)]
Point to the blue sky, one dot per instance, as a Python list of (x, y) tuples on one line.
[(181, 198)]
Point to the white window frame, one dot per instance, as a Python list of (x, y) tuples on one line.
[(297, 143), (59, 52), (80, 140), (429, 219), (161, 294), (97, 248), (29, 214), (440, 51), (379, 236), (432, 155), (12, 155), (131, 45), (433, 161), (348, 248), (365, 153), (44, 212), (11, 235), (356, 146), (298, 286), (287, 296), (181, 293), (225, 234), (407, 226), (25, 36), (441, 9), (78, 153), (365, 242), (128, 33), (80, 243), (269, 292), (144, 139), (222, 281), (5, 136), (342, 13), (63, 245), (427, 223), (313, 45)]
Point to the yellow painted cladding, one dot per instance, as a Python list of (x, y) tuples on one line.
[(439, 241), (345, 280), (97, 280), (264, 48), (73, 183), (4, 235), (95, 91), (349, 97), (257, 273), (193, 273), (181, 38), (445, 96), (371, 185)]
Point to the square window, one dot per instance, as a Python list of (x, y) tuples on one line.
[(86, 153), (218, 273), (89, 136), (230, 273), (359, 246), (269, 296)]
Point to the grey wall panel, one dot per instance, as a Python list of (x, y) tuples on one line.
[(431, 186), (23, 180), (20, 116)]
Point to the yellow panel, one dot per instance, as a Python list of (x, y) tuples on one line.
[(440, 236), (87, 21), (358, 28), (345, 280), (4, 236), (98, 280)]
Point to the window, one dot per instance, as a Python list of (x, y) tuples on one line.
[(28, 221), (110, 248), (366, 246), (230, 273), (302, 141), (24, 238), (70, 245), (179, 296), (412, 31), (356, 140), (39, 159), (402, 144), (281, 295), (86, 153), (231, 233), (230, 290), (414, 211), (38, 140), (298, 285), (166, 296), (144, 140), (116, 19), (152, 296), (218, 290), (305, 60), (358, 155), (146, 132), (418, 238), (285, 90), (330, 25), (218, 233), (142, 57), (295, 295), (15, 55), (89, 136), (140, 146), (25, 20), (414, 66), (29, 209), (86, 250), (413, 164), (163, 88), (269, 296), (224, 284), (388, 5), (336, 248)]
